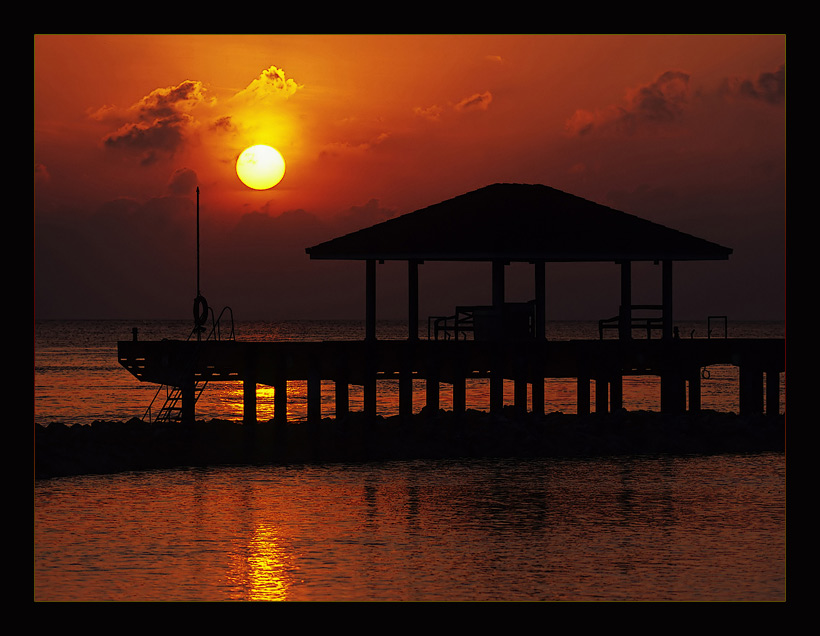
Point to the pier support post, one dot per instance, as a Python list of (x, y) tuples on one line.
[(342, 388), (520, 394), (694, 391), (583, 395), (249, 389), (342, 399), (538, 407), (406, 380), (496, 391), (772, 392), (280, 401), (249, 400), (673, 392), (314, 393), (616, 392), (601, 395), (459, 393), (370, 387), (751, 390), (432, 395), (188, 395), (405, 393)]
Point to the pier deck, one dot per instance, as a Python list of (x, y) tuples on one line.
[(678, 363)]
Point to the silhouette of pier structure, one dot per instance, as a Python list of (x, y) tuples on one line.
[(499, 224)]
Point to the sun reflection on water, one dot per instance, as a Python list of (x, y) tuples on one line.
[(264, 572)]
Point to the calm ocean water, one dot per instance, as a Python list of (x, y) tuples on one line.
[(606, 529)]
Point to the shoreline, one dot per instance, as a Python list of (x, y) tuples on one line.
[(106, 447)]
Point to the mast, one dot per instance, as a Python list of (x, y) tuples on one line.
[(197, 242), (200, 304)]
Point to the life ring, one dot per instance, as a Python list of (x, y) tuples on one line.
[(200, 310)]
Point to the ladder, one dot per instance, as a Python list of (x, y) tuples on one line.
[(171, 410)]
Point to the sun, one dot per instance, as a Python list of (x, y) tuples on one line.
[(260, 167)]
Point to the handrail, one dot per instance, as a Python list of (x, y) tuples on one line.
[(215, 332), (709, 325)]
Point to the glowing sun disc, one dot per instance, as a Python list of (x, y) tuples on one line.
[(260, 167)]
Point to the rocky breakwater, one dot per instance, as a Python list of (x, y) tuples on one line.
[(108, 447)]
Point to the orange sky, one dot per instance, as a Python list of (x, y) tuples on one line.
[(688, 131)]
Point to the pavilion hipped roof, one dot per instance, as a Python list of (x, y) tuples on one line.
[(518, 222)]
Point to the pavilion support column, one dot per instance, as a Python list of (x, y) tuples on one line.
[(667, 299), (625, 314), (540, 301), (413, 299), (498, 284), (370, 299)]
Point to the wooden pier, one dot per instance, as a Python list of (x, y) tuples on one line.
[(499, 224), (600, 363)]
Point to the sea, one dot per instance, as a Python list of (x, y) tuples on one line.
[(605, 529)]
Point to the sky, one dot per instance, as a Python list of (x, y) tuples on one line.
[(684, 130)]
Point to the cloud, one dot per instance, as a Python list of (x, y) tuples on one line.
[(271, 84), (768, 87), (433, 113), (170, 102), (157, 125), (660, 102), (475, 102), (182, 182), (343, 148), (224, 124), (479, 101)]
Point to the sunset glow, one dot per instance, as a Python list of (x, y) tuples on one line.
[(684, 130)]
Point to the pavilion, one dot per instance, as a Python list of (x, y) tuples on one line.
[(506, 223)]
